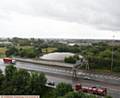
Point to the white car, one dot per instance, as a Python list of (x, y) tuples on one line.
[(87, 78)]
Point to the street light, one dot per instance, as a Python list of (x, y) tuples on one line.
[(112, 58)]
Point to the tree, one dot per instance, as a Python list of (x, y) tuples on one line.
[(108, 97), (21, 41), (10, 71), (76, 57), (21, 82), (2, 79), (77, 95), (11, 51), (7, 85), (71, 59), (62, 89), (105, 54), (37, 83), (38, 51)]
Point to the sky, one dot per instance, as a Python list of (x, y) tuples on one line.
[(78, 19)]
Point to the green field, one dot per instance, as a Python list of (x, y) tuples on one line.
[(2, 52), (23, 47), (49, 50)]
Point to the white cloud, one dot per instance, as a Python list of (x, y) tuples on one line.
[(60, 18)]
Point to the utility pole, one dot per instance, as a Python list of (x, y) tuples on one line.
[(112, 57)]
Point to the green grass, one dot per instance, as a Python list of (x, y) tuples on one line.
[(24, 47), (2, 50), (103, 70), (49, 49), (2, 55)]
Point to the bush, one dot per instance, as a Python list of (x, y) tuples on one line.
[(108, 97), (116, 69), (71, 59), (21, 82), (77, 95), (62, 89), (11, 51), (28, 53)]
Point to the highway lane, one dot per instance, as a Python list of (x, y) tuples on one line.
[(57, 75), (2, 65), (60, 75), (59, 67), (111, 90), (61, 70)]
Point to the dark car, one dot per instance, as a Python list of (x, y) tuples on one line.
[(52, 83)]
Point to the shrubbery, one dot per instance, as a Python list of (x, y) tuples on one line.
[(71, 59), (23, 52), (21, 82)]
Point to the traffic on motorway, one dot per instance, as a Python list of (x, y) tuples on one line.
[(63, 75)]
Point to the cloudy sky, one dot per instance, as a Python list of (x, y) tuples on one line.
[(98, 19)]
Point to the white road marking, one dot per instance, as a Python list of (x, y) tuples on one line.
[(68, 71)]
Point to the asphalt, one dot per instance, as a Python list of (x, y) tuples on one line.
[(59, 74)]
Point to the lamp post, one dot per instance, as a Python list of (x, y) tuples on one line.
[(112, 57)]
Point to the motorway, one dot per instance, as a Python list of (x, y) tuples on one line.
[(59, 74), (66, 68)]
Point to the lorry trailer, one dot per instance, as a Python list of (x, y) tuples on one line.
[(9, 61), (91, 90)]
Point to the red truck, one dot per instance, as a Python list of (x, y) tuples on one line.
[(9, 61), (92, 90)]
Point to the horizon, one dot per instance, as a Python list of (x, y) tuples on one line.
[(61, 38)]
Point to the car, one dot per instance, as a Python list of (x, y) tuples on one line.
[(13, 61), (87, 78), (52, 83)]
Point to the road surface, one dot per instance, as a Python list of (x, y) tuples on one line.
[(64, 75), (114, 79), (63, 67)]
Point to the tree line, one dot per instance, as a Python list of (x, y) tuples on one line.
[(99, 55)]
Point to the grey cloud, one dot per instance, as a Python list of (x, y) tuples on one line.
[(102, 14)]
